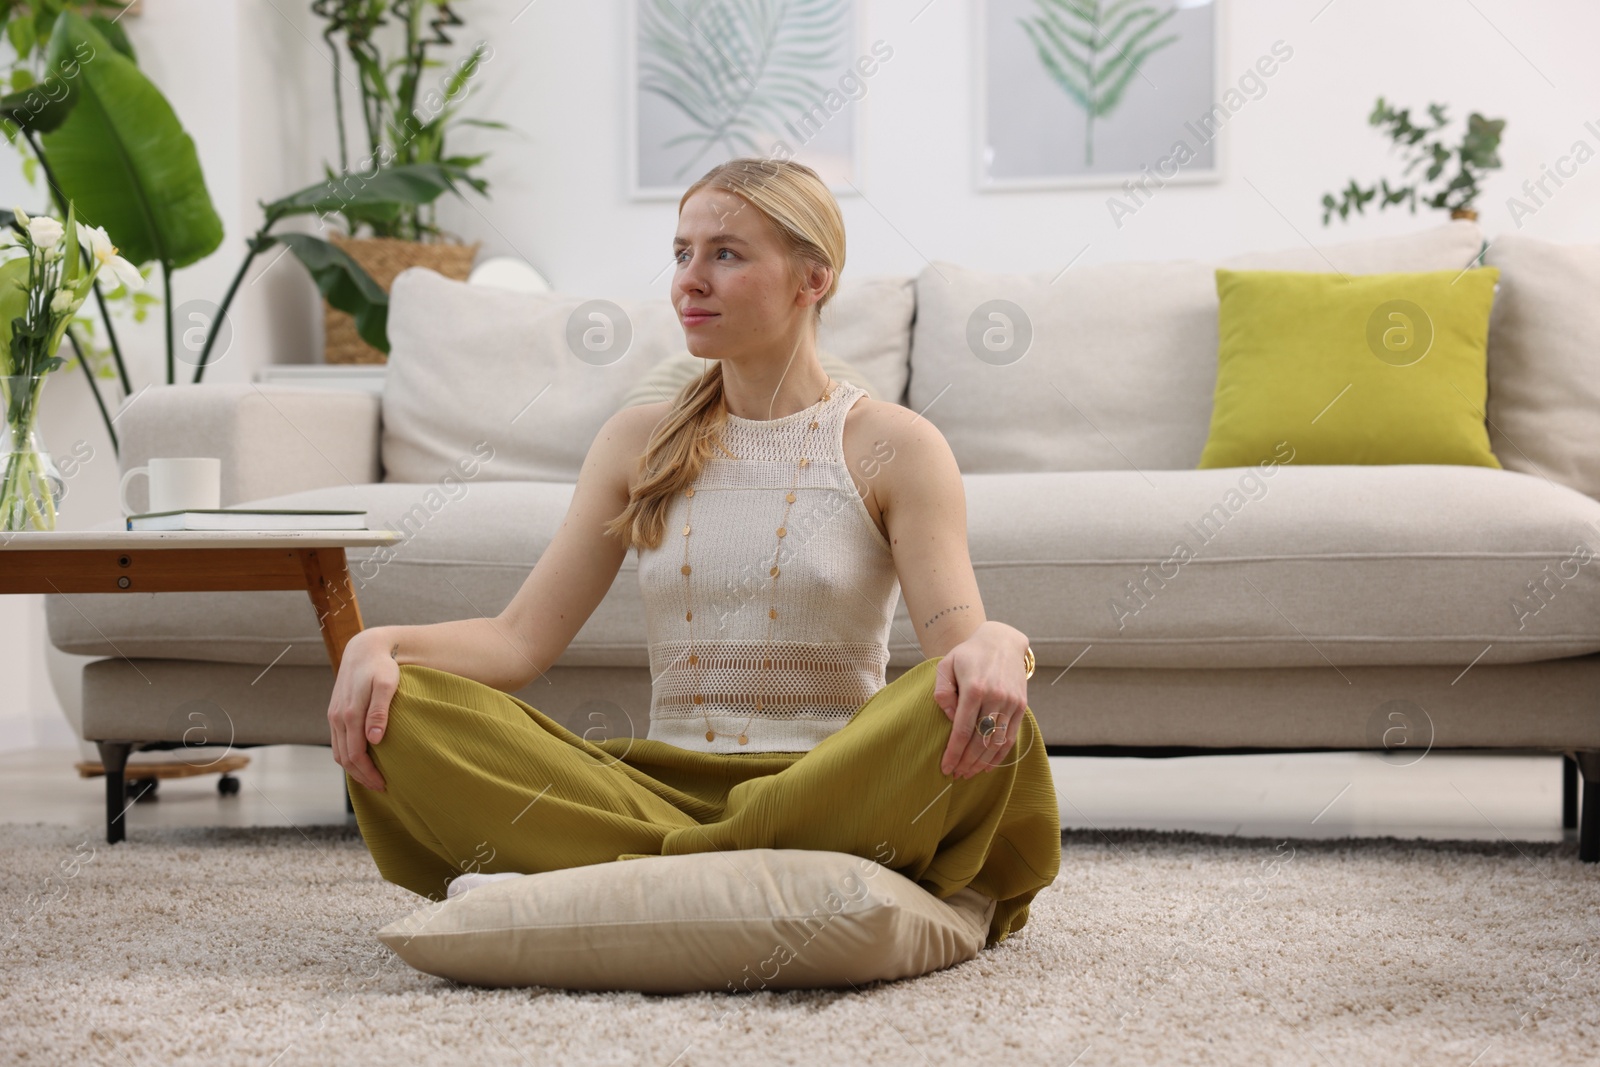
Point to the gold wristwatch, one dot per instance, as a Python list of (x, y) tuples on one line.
[(1027, 661)]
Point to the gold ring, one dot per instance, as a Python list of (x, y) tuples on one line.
[(986, 725)]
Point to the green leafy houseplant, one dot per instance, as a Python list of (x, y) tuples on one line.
[(1477, 153), (338, 276), (42, 78), (405, 129), (103, 135), (404, 124)]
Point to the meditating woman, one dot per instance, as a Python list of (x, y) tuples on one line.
[(778, 513)]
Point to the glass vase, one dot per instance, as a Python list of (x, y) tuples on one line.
[(30, 485)]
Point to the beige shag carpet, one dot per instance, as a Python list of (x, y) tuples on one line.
[(255, 946)]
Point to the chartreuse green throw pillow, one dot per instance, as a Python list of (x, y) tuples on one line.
[(1361, 368)]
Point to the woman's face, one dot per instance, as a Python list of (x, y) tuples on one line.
[(731, 264)]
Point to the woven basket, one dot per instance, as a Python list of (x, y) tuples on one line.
[(383, 258)]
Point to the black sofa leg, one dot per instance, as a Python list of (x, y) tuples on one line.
[(1589, 826), (114, 758), (1569, 793)]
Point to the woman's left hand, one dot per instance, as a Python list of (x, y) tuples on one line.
[(981, 676)]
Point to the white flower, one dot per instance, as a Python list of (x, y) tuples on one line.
[(92, 237), (22, 216), (62, 301), (98, 242), (126, 273), (45, 231)]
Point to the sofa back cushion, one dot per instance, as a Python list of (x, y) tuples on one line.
[(1544, 360), (667, 377), (1351, 368), (867, 324), (536, 374), (471, 363), (1104, 367)]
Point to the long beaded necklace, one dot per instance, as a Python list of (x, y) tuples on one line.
[(772, 606)]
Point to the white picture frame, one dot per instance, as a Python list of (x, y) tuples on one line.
[(834, 149), (1144, 129)]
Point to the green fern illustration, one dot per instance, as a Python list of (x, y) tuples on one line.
[(737, 67), (1093, 51)]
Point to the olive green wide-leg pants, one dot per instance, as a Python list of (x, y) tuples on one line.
[(478, 780)]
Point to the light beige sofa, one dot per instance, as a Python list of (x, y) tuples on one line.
[(1324, 607)]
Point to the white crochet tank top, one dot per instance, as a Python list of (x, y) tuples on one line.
[(835, 594)]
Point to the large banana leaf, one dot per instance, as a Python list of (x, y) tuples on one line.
[(31, 109), (341, 279), (111, 30), (362, 196), (123, 157), (41, 107)]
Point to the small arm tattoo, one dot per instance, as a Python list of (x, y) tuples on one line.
[(946, 611)]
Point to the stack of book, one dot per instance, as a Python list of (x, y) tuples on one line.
[(248, 519)]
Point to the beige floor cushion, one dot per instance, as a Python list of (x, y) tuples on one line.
[(732, 921)]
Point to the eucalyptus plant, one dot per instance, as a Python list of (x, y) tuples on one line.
[(1477, 153)]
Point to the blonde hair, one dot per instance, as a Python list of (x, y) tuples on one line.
[(809, 223)]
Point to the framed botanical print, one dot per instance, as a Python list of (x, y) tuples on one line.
[(711, 80), (1090, 92)]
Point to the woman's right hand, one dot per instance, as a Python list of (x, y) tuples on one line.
[(359, 711)]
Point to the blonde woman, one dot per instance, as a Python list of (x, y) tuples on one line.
[(778, 514)]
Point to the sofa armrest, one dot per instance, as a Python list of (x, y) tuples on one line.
[(272, 439)]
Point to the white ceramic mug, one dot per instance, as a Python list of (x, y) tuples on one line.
[(178, 484)]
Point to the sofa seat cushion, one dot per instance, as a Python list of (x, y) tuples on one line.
[(1287, 566)]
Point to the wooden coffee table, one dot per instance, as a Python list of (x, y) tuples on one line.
[(189, 561)]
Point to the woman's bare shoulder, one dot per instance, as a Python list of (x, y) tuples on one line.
[(888, 444), (636, 423), (649, 414), (870, 421)]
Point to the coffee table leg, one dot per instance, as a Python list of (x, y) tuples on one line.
[(328, 583)]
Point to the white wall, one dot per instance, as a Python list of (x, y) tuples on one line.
[(559, 72), (251, 81)]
